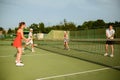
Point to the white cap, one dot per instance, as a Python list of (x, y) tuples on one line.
[(31, 29)]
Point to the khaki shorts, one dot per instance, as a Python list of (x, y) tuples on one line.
[(29, 42), (66, 40)]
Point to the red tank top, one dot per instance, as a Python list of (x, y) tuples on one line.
[(18, 40)]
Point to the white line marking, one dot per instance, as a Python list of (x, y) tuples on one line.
[(6, 56), (57, 76), (22, 55)]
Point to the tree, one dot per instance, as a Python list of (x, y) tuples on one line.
[(93, 24), (15, 30), (41, 27), (79, 27), (35, 28), (47, 29), (1, 29), (99, 23), (84, 25), (10, 31), (69, 25)]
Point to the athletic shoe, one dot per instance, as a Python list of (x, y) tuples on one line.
[(19, 64), (106, 54), (33, 50), (23, 51), (64, 48), (111, 55), (68, 49)]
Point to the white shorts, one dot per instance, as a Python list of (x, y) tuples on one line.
[(29, 42), (66, 40)]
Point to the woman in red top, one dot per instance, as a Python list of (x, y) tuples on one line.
[(18, 43)]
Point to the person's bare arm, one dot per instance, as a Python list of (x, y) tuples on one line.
[(107, 35), (112, 35), (30, 35), (22, 35)]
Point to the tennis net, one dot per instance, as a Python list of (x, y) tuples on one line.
[(91, 50)]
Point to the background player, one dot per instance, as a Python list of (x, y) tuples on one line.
[(110, 36), (66, 40), (30, 40)]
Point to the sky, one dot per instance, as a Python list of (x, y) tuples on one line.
[(52, 12)]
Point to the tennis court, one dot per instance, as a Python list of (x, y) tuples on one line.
[(47, 63)]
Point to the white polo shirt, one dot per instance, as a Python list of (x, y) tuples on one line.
[(29, 35), (110, 33)]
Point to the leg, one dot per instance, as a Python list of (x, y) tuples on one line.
[(112, 49), (67, 46), (18, 58), (26, 44), (64, 45), (19, 53), (24, 48), (32, 45), (106, 50)]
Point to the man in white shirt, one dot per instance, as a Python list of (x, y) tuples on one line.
[(110, 36), (30, 40)]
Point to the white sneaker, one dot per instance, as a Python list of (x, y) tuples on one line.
[(68, 49), (19, 64), (23, 51), (111, 55), (106, 54), (17, 61), (33, 50)]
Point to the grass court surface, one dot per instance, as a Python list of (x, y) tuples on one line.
[(46, 65)]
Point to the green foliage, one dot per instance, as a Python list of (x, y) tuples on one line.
[(10, 31), (93, 24), (41, 27), (48, 29), (3, 31), (65, 25), (62, 26), (35, 28)]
